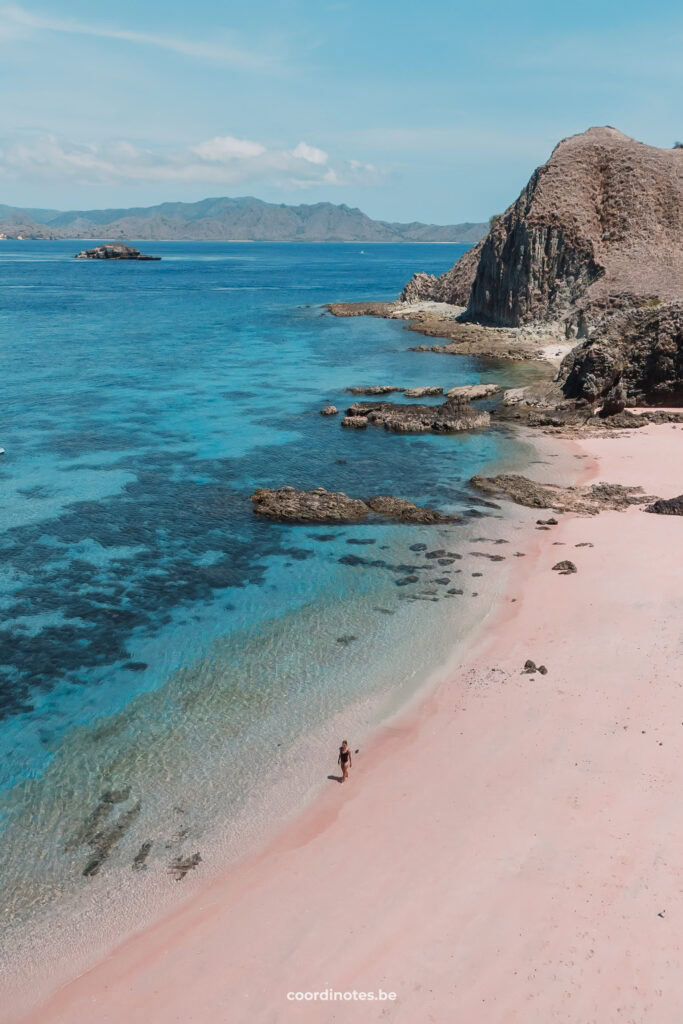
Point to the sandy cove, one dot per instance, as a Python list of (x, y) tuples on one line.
[(510, 850)]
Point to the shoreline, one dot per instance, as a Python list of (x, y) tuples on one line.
[(545, 346), (304, 857)]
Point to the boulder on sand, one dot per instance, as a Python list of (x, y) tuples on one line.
[(667, 506)]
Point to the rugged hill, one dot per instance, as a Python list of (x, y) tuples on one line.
[(594, 245), (243, 219)]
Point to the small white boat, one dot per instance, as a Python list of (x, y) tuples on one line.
[(2, 451)]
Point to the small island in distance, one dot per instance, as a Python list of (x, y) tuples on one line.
[(223, 219), (114, 251)]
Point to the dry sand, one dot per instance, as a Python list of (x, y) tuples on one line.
[(510, 850)]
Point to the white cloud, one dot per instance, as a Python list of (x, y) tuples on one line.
[(18, 22), (223, 160), (314, 156), (228, 148)]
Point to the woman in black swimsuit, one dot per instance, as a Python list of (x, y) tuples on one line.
[(344, 760)]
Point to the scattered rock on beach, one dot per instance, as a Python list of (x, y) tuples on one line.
[(667, 506), (585, 500), (565, 568), (547, 522)]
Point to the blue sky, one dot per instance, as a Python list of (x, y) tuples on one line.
[(436, 112)]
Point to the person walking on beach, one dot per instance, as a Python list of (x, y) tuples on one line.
[(344, 760)]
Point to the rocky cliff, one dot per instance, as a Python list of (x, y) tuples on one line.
[(593, 245)]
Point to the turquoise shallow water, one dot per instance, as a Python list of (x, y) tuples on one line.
[(156, 638)]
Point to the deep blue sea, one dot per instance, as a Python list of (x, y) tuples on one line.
[(156, 639)]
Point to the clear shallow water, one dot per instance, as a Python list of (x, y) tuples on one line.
[(156, 638)]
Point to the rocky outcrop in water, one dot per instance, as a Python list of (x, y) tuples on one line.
[(473, 392), (374, 389), (453, 287), (287, 504), (114, 251), (450, 417)]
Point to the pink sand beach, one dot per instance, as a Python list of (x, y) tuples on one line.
[(509, 850)]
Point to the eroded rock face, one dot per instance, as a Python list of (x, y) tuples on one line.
[(450, 417), (600, 223), (638, 350), (585, 500), (453, 287), (593, 246), (287, 504)]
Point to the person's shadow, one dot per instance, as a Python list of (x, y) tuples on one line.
[(336, 778)]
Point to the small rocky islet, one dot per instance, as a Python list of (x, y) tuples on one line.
[(115, 251)]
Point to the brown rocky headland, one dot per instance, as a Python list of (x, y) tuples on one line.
[(585, 267)]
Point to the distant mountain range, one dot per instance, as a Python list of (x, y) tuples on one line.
[(244, 219)]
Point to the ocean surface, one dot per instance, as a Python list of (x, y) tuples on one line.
[(174, 672)]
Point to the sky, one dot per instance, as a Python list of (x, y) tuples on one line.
[(436, 112)]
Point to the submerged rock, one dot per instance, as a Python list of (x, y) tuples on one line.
[(286, 504), (141, 856), (179, 867), (375, 389)]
